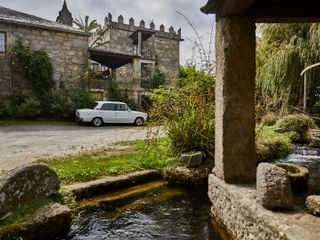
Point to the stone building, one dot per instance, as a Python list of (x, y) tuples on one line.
[(133, 52), (66, 46)]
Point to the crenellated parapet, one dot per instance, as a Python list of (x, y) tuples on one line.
[(133, 26)]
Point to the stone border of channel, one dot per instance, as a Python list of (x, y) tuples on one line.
[(107, 184)]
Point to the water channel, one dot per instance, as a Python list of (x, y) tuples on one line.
[(161, 212), (309, 158)]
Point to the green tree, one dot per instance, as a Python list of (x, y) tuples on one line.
[(85, 25), (283, 50)]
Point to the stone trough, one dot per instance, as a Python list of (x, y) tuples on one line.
[(298, 176)]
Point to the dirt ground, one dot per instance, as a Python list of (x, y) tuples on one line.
[(27, 143)]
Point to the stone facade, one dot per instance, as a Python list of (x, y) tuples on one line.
[(150, 48), (66, 46)]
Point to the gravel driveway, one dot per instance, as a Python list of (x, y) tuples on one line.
[(26, 143)]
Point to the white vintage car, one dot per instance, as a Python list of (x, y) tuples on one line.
[(111, 112)]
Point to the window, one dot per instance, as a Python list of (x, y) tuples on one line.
[(3, 39), (108, 107), (122, 107)]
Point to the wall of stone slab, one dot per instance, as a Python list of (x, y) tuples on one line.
[(67, 51)]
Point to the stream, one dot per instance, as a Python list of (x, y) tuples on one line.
[(163, 212), (309, 158)]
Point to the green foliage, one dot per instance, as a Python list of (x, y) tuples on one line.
[(55, 104), (23, 214), (282, 53), (29, 109), (114, 92), (269, 119), (36, 66), (299, 123), (149, 154), (62, 104), (187, 110), (158, 78), (274, 148), (271, 145)]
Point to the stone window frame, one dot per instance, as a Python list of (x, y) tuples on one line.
[(5, 42)]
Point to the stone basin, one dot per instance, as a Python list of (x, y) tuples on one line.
[(298, 176)]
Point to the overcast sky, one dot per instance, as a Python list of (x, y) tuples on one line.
[(159, 11)]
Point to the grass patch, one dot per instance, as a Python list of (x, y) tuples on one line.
[(11, 122), (23, 214), (139, 155), (271, 145)]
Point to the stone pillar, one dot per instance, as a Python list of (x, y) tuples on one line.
[(235, 160), (139, 43)]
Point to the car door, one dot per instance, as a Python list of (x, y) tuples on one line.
[(108, 113), (123, 114)]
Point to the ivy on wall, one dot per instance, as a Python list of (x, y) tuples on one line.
[(36, 65)]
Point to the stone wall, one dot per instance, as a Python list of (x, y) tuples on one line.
[(66, 50), (167, 51)]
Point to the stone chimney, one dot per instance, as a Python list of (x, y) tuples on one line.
[(65, 16)]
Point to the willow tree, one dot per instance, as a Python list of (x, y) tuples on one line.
[(283, 50)]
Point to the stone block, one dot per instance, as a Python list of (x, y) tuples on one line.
[(49, 222), (273, 187), (313, 204), (237, 209), (187, 176), (25, 184), (191, 159)]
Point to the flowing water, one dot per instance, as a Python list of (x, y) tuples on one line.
[(161, 212), (309, 158)]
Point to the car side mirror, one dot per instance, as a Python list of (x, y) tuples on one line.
[(97, 109)]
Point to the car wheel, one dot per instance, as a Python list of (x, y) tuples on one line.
[(97, 122), (139, 121)]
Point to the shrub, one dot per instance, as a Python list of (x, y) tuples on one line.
[(187, 112), (114, 92), (82, 99), (269, 119), (272, 145), (299, 123), (193, 128), (158, 78), (63, 104), (29, 109), (4, 109), (275, 148)]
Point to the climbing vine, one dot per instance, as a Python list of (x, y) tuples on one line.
[(36, 67)]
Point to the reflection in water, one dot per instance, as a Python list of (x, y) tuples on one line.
[(161, 213)]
